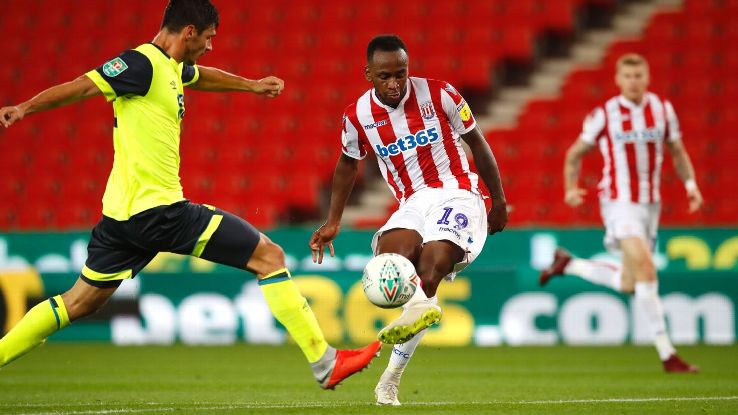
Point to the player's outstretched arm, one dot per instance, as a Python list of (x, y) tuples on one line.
[(56, 96), (573, 194), (343, 182), (490, 173), (685, 171), (216, 80)]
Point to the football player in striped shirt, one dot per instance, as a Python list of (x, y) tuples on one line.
[(631, 130), (415, 127)]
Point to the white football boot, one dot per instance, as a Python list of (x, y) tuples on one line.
[(386, 391)]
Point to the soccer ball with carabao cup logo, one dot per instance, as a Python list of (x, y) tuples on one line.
[(389, 280)]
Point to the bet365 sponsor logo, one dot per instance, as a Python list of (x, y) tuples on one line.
[(409, 142), (646, 135)]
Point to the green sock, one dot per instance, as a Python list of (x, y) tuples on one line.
[(292, 310), (40, 322)]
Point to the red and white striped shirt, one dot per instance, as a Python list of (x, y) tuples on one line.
[(418, 144), (631, 139)]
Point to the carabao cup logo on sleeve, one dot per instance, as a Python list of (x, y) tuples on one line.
[(409, 142), (114, 67)]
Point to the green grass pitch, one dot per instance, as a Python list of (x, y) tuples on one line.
[(103, 379)]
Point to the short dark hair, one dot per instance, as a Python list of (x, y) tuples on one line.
[(386, 43), (180, 13)]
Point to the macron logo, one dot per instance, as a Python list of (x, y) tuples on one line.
[(409, 142), (375, 125)]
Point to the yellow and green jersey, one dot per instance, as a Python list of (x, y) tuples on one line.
[(147, 89)]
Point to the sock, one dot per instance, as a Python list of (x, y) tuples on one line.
[(324, 366), (401, 355), (597, 272), (40, 322), (647, 295), (291, 309), (419, 295)]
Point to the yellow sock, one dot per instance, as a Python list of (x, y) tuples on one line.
[(292, 310), (40, 322)]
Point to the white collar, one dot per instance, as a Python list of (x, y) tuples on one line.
[(632, 105)]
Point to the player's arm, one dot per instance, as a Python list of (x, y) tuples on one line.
[(490, 174), (343, 183), (56, 96), (592, 129), (680, 157), (573, 194), (216, 80), (685, 171)]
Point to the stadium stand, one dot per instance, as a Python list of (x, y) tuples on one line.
[(268, 160), (691, 61)]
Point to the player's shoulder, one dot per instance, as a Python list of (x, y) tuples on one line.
[(439, 84), (658, 99), (352, 107), (134, 59)]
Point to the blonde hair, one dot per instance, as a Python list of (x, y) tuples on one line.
[(630, 59)]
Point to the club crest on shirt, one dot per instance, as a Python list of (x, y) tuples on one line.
[(114, 67), (427, 111)]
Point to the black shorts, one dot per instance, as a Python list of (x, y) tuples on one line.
[(121, 249)]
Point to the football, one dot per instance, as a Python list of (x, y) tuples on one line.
[(389, 280)]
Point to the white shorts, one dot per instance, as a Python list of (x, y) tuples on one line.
[(626, 219), (454, 215)]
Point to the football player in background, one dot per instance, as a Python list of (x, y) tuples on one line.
[(631, 131)]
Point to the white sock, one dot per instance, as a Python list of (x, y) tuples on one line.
[(597, 272), (647, 295), (401, 354), (419, 295)]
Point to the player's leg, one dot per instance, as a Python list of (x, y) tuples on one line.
[(621, 220), (405, 242), (447, 248), (605, 273), (50, 316), (637, 257), (437, 260), (408, 243), (110, 260), (232, 241)]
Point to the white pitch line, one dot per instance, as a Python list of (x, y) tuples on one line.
[(628, 400), (203, 406)]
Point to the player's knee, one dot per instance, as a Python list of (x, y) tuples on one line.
[(432, 271), (78, 308), (644, 269), (271, 259)]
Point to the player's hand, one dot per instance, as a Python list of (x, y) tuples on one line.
[(695, 199), (574, 197), (322, 237), (10, 115), (270, 86), (497, 218)]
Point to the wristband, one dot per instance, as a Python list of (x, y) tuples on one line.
[(690, 185)]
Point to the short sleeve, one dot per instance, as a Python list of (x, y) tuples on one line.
[(457, 110), (128, 74), (351, 144), (593, 126), (673, 132), (190, 74)]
